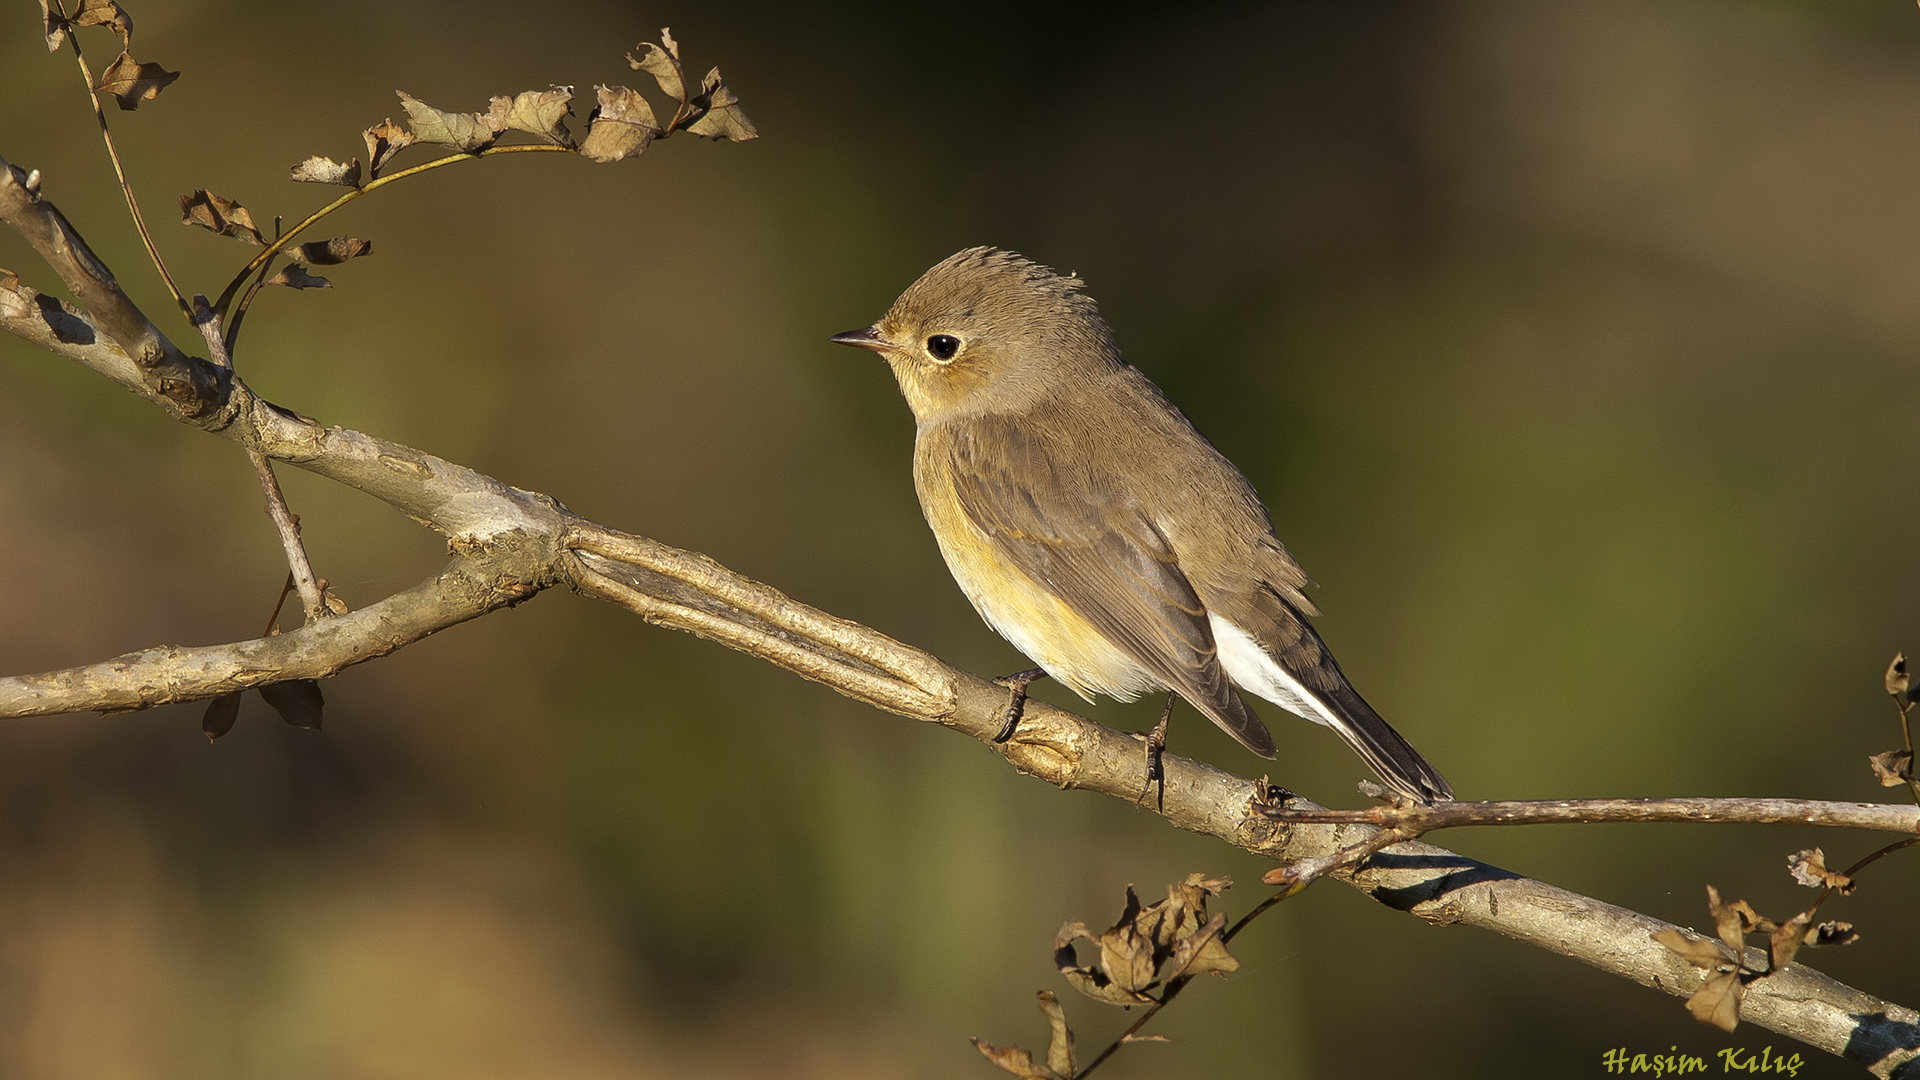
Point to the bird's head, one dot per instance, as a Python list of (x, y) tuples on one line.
[(986, 330)]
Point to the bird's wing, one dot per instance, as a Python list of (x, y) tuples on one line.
[(1075, 531)]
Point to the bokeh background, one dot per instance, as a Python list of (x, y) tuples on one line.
[(1572, 345)]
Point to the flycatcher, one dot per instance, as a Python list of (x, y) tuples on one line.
[(1092, 526)]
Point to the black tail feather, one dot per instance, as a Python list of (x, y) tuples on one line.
[(1383, 748)]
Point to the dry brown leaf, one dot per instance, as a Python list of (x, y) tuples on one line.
[(1717, 1002), (295, 278), (620, 126), (384, 140), (54, 25), (1809, 867), (1060, 1037), (1700, 952), (720, 114), (1727, 921), (1201, 951), (131, 82), (1892, 768), (1149, 946), (222, 215), (465, 132), (1091, 981), (329, 252), (1737, 918), (1014, 1060), (104, 13), (664, 65), (1832, 933), (319, 170), (298, 701), (1786, 941), (1126, 955), (220, 715), (536, 112), (1897, 681)]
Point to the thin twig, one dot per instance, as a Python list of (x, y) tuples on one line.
[(280, 243), (1299, 874), (284, 520), (133, 206), (246, 300), (1906, 733), (273, 620), (1422, 817)]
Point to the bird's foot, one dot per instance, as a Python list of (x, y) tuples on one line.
[(1156, 768), (1016, 685)]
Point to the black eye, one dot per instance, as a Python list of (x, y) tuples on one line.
[(943, 346)]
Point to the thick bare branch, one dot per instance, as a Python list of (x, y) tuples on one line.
[(471, 585), (186, 385)]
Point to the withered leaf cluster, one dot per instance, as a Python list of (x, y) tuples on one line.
[(1893, 768), (219, 214), (1150, 946), (1157, 946), (1728, 973), (1059, 1062), (128, 80), (621, 125)]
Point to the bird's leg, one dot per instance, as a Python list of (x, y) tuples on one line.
[(1016, 684), (1156, 745)]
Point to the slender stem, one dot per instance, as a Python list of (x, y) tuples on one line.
[(1882, 853), (1906, 732), (1172, 991), (1235, 929), (133, 206), (274, 619), (246, 299), (1421, 818), (289, 527), (283, 519), (1298, 875), (279, 244)]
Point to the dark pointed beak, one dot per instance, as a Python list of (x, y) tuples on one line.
[(864, 338)]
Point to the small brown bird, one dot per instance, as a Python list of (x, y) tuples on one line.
[(1093, 527)]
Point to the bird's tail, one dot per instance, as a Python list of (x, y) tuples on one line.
[(1316, 689), (1383, 748)]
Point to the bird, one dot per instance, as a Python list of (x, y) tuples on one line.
[(1091, 524)]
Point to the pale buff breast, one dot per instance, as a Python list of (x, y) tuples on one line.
[(1023, 611)]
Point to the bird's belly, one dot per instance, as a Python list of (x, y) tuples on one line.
[(1035, 621)]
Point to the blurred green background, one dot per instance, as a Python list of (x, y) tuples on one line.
[(1572, 346)]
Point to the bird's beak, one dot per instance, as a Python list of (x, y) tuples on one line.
[(865, 338)]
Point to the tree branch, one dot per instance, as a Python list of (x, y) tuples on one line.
[(1417, 818), (509, 544), (471, 585), (186, 386)]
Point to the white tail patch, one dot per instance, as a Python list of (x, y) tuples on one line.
[(1255, 671)]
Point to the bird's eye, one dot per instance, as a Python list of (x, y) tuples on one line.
[(943, 346)]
